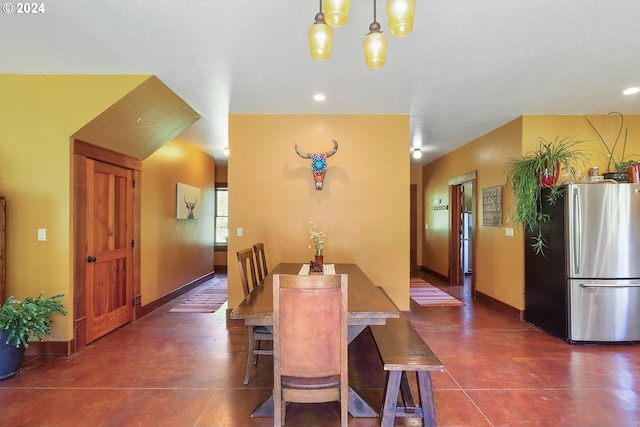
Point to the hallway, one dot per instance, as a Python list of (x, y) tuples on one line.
[(186, 369)]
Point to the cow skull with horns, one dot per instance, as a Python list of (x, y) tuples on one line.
[(319, 162)]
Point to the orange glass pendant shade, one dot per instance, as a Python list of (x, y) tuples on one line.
[(336, 12), (400, 14)]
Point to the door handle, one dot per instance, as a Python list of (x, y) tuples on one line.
[(92, 259)]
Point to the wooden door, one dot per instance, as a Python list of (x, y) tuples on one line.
[(455, 270), (109, 232), (413, 227)]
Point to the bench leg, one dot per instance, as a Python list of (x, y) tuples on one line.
[(407, 397), (397, 383), (426, 398), (391, 399)]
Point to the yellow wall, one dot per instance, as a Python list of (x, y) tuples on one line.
[(38, 114), (175, 252), (499, 263), (551, 126), (364, 206)]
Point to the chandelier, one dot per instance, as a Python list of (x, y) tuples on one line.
[(336, 13)]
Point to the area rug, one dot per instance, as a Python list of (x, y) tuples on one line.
[(208, 300), (427, 295)]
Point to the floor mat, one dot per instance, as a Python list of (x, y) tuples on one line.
[(427, 295), (208, 300)]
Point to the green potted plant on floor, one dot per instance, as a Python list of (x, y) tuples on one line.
[(21, 321), (531, 172), (617, 160)]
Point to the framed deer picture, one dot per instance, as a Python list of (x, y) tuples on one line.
[(188, 204)]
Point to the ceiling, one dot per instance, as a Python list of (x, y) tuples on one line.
[(468, 67)]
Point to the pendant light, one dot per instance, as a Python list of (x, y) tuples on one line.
[(337, 12), (400, 14), (320, 38), (375, 44)]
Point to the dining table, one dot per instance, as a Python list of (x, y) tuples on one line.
[(366, 305)]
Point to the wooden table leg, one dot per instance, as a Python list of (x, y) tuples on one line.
[(353, 331), (358, 407), (264, 409)]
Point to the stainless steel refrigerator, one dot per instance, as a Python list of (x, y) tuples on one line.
[(586, 288)]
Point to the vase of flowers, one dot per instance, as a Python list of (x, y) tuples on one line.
[(317, 237)]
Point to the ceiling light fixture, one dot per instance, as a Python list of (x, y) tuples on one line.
[(631, 91), (400, 14), (320, 37), (337, 12), (417, 153), (375, 44), (318, 97)]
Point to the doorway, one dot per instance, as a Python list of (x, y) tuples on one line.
[(462, 236), (106, 229), (466, 229)]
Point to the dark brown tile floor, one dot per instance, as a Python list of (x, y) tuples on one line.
[(182, 369)]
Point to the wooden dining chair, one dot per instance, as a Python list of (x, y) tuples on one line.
[(261, 261), (310, 342), (257, 334), (246, 265)]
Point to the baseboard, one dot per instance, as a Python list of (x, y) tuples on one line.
[(49, 348), (490, 301), (153, 305), (66, 348), (434, 274), (499, 305), (222, 269)]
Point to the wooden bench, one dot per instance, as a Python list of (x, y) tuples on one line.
[(402, 349)]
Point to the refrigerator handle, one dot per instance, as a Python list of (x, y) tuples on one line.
[(576, 226), (615, 285)]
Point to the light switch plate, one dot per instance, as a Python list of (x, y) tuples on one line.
[(239, 231), (508, 232), (42, 234)]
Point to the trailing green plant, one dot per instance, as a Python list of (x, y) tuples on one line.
[(560, 153), (617, 158), (524, 176), (555, 193), (29, 318)]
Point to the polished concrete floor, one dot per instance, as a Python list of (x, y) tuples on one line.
[(185, 369)]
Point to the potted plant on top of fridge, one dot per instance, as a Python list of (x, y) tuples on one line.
[(617, 160), (21, 321), (531, 172)]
